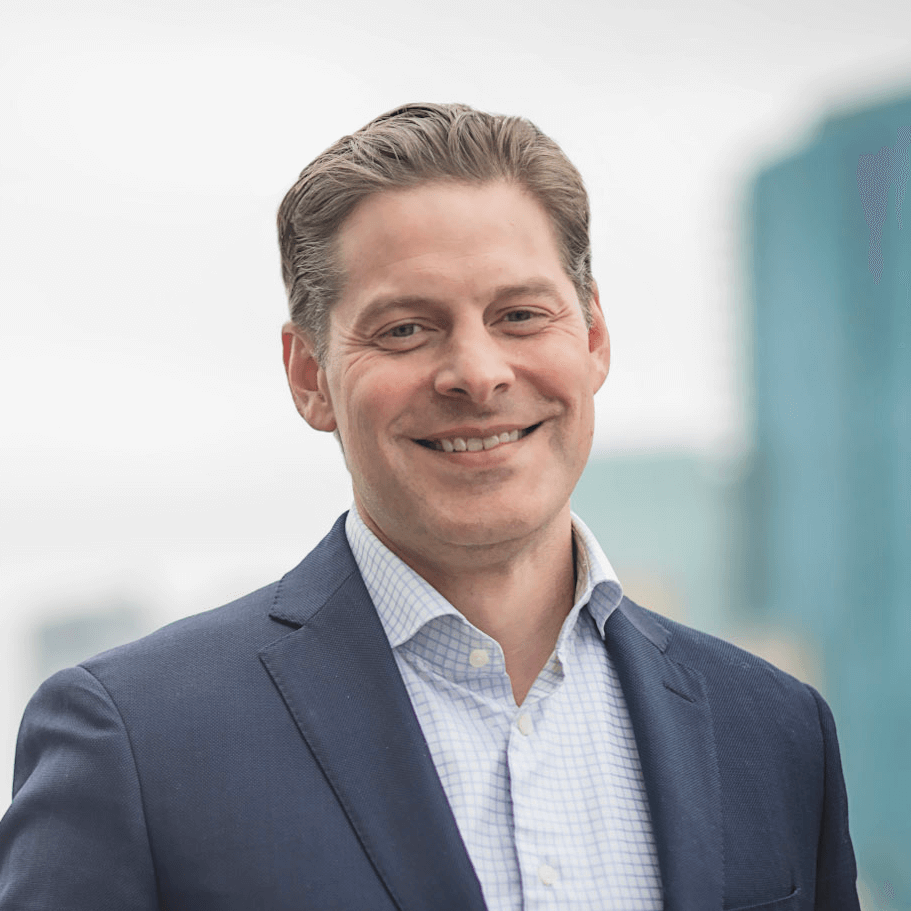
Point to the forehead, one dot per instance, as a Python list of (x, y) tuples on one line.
[(451, 235)]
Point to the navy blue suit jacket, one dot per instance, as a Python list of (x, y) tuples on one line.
[(266, 755)]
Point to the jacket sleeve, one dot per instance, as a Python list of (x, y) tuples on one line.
[(836, 870), (75, 837)]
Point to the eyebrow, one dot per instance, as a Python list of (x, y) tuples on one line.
[(537, 288), (502, 294)]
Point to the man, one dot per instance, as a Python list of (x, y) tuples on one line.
[(449, 704)]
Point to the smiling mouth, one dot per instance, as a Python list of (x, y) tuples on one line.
[(476, 444)]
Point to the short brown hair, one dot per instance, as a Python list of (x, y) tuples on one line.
[(411, 145)]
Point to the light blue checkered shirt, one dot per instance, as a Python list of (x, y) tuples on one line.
[(548, 796)]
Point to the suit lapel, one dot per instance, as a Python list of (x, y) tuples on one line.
[(674, 735), (339, 680)]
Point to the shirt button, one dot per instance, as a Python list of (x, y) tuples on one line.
[(547, 874), (526, 726), (478, 657)]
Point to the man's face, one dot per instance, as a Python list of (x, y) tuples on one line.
[(460, 373)]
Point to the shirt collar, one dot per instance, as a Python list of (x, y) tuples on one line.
[(597, 585), (405, 601)]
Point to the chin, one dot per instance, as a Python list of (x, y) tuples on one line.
[(483, 529)]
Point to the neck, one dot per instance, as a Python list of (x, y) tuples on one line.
[(518, 595)]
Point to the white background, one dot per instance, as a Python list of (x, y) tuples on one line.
[(148, 446)]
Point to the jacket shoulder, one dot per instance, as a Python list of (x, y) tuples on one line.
[(736, 680), (703, 651), (245, 619), (221, 637)]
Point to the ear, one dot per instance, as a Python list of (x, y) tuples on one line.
[(598, 341), (306, 379)]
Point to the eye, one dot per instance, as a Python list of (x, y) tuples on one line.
[(519, 316), (406, 330), (523, 321), (403, 337)]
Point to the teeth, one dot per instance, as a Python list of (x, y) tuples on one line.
[(476, 444)]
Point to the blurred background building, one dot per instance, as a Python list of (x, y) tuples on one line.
[(750, 474), (830, 505), (801, 551)]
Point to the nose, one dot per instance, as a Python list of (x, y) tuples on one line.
[(473, 366)]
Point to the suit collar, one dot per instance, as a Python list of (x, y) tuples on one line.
[(339, 680), (673, 726), (338, 677)]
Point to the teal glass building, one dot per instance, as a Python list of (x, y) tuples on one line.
[(830, 504)]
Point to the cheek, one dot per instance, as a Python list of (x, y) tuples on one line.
[(570, 388), (372, 402)]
